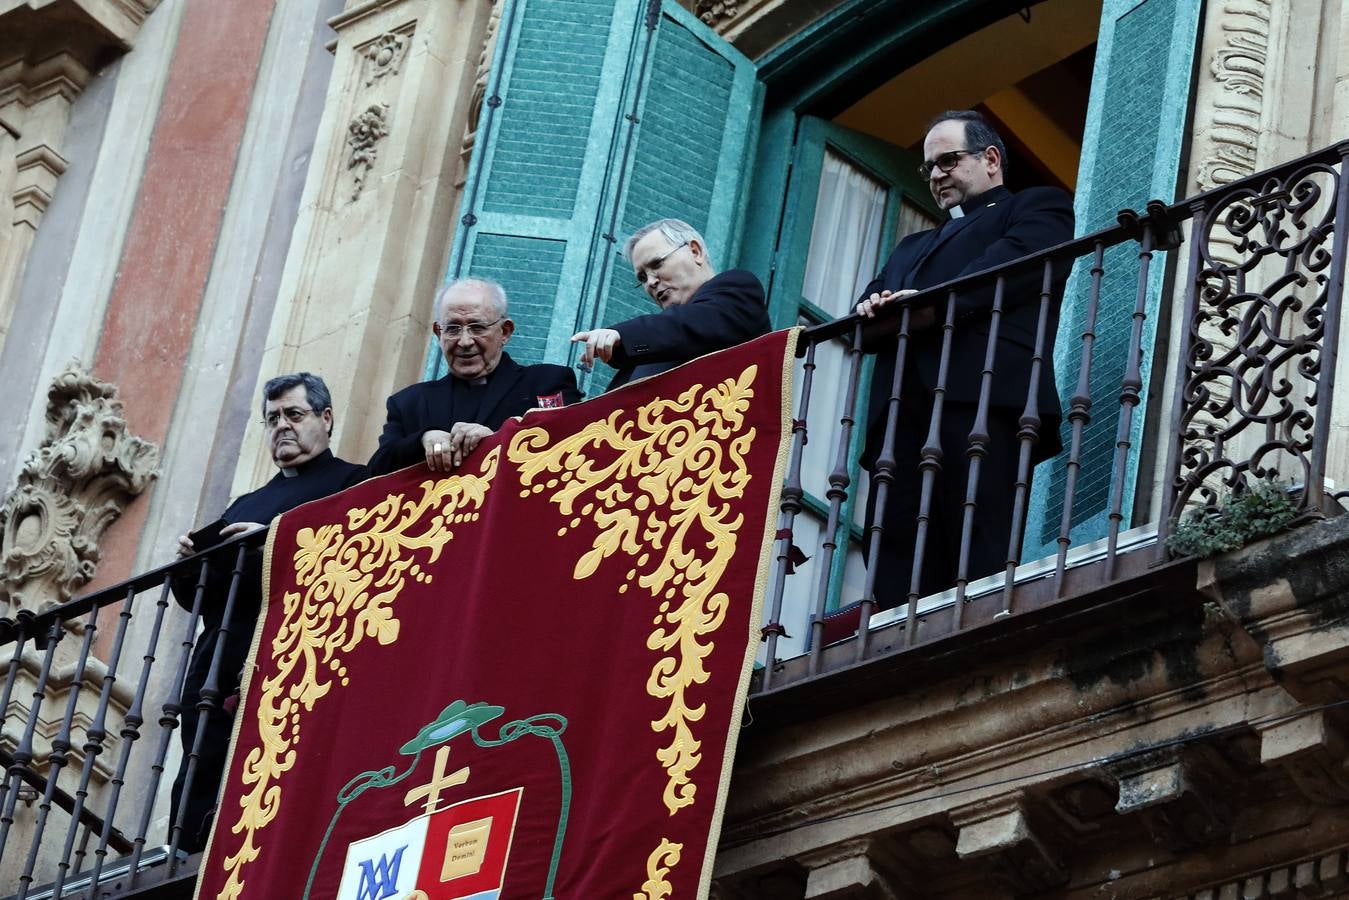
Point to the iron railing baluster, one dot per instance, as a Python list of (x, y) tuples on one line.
[(1131, 394), (168, 723), (882, 478), (1028, 435), (1079, 416), (81, 853), (839, 482), (210, 699), (57, 759), (930, 468), (792, 495), (23, 753), (93, 745), (16, 628), (977, 447)]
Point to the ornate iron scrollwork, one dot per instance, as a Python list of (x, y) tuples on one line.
[(1252, 386)]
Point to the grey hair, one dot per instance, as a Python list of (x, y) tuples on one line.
[(676, 231), (495, 293), (316, 393), (978, 133)]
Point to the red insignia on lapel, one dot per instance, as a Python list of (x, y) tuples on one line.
[(551, 401)]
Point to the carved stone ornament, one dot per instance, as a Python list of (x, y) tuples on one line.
[(714, 12), (1238, 69), (363, 134), (69, 491), (385, 56), (479, 92)]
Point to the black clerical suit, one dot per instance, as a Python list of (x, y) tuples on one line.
[(727, 310), (323, 475), (998, 227), (510, 390)]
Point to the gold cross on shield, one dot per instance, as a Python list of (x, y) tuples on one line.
[(439, 783)]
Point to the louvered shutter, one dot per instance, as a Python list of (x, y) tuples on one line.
[(697, 117), (611, 114), (1131, 154), (545, 139)]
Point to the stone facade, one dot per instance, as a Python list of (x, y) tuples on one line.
[(370, 245), (49, 53), (1161, 745)]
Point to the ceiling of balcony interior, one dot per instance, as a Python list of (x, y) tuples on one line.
[(1030, 78)]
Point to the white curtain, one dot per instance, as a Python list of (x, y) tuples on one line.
[(845, 237), (843, 258), (844, 250)]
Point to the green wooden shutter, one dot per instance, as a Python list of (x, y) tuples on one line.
[(697, 117), (611, 113), (535, 183), (1132, 150)]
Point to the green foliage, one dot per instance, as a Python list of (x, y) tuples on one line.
[(1238, 520)]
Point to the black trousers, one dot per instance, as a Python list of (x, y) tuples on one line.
[(199, 802), (994, 500)]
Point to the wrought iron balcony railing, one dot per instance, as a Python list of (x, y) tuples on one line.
[(1249, 396), (69, 820)]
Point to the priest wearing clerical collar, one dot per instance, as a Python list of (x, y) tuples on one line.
[(441, 422), (965, 161), (297, 412), (701, 310)]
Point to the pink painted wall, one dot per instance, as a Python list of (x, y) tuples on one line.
[(167, 256)]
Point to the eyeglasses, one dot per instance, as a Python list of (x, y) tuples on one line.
[(946, 162), (452, 330), (294, 415), (654, 266)]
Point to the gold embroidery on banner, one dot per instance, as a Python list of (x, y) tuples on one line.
[(660, 489), (350, 582), (657, 885)]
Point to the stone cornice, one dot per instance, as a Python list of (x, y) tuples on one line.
[(1288, 593), (61, 74), (41, 157), (365, 9), (106, 24)]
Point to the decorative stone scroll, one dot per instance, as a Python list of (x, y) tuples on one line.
[(1237, 68), (69, 491)]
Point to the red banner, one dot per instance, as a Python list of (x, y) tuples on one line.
[(522, 680)]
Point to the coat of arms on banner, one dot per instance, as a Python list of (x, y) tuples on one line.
[(455, 853)]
